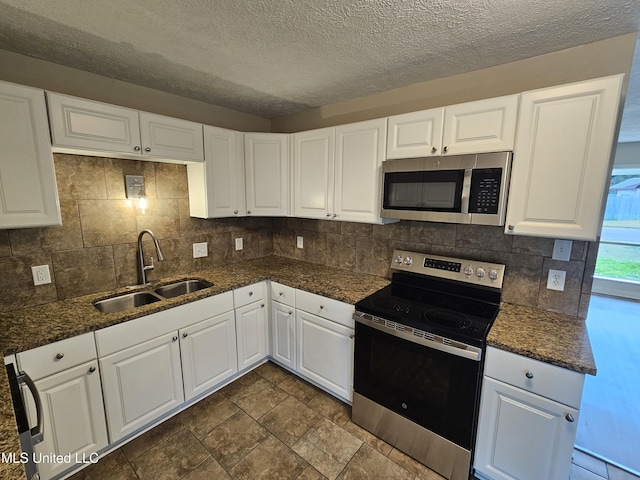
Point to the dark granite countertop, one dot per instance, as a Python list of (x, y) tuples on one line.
[(552, 338)]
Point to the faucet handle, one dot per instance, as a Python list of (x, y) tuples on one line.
[(151, 266)]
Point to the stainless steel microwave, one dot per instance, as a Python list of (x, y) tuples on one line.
[(452, 189)]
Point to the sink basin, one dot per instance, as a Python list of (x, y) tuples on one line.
[(126, 301), (181, 288)]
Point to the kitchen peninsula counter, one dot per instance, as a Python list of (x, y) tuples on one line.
[(546, 336)]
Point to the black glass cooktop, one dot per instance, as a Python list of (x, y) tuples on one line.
[(442, 307)]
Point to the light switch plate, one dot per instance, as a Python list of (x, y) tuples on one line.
[(300, 242), (562, 250), (41, 275), (200, 250), (239, 244)]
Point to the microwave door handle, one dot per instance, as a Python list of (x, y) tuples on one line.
[(37, 434), (466, 190)]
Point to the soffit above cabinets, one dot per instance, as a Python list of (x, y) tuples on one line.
[(278, 58)]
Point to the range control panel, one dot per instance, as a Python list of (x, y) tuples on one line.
[(470, 271)]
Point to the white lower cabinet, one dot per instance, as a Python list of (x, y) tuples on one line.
[(283, 332), (252, 324), (527, 427), (208, 352), (141, 383)]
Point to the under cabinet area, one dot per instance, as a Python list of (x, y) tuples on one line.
[(562, 159), (475, 127), (85, 126), (528, 419), (29, 195), (67, 379)]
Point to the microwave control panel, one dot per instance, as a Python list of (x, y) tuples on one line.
[(485, 190)]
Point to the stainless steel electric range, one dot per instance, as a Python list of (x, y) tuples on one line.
[(419, 351)]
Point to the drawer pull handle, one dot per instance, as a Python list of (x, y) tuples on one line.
[(92, 369), (529, 374), (569, 418), (60, 356)]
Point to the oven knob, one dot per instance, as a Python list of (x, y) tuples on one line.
[(398, 259), (468, 270), (480, 272), (493, 274), (408, 261)]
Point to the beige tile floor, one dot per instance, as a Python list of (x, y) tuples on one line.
[(268, 424)]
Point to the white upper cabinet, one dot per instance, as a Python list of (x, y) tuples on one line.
[(28, 192), (95, 128), (360, 151), (336, 172), (168, 137), (267, 174), (474, 127), (217, 186), (562, 159), (313, 163)]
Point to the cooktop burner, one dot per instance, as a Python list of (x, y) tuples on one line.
[(454, 298)]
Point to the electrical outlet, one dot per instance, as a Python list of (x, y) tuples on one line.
[(200, 250), (41, 274), (562, 250), (300, 242), (239, 245), (555, 280)]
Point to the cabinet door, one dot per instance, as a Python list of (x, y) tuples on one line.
[(522, 436), (267, 170), (28, 192), (208, 352), (283, 334), (94, 126), (562, 158), (73, 415), (166, 137), (482, 126), (141, 383), (216, 186), (252, 334), (360, 150), (325, 353), (313, 154), (415, 134)]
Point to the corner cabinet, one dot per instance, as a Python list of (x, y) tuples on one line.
[(94, 128), (473, 127), (267, 174), (562, 159), (528, 419), (28, 191), (217, 186)]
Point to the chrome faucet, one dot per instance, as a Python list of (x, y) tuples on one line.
[(142, 268)]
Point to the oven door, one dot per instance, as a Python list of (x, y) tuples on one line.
[(415, 190), (433, 388)]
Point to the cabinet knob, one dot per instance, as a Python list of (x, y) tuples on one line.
[(136, 148), (175, 338), (60, 356), (569, 418), (511, 228), (281, 293), (529, 374), (434, 150), (321, 307), (185, 335), (445, 149), (92, 369), (290, 312), (248, 212), (147, 149), (352, 335), (328, 214), (250, 294), (335, 215), (262, 305), (235, 212)]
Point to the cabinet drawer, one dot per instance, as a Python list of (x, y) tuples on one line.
[(283, 294), (249, 294), (328, 308), (547, 380), (56, 357)]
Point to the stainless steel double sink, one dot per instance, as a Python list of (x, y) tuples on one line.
[(127, 301)]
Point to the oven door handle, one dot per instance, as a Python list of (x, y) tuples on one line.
[(37, 434), (415, 336)]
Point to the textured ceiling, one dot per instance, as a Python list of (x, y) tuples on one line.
[(278, 57)]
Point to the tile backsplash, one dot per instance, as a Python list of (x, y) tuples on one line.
[(95, 248)]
